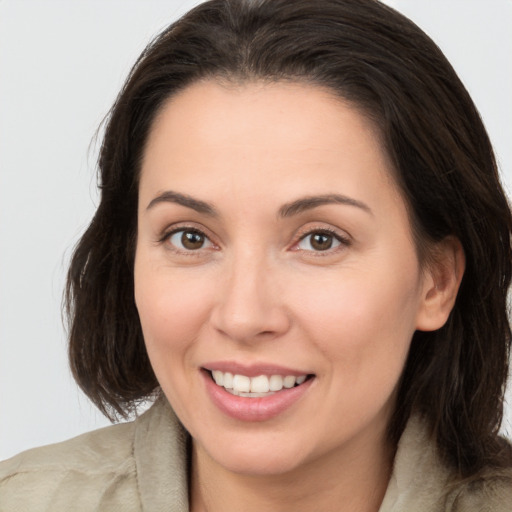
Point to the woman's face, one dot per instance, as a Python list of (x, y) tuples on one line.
[(273, 246)]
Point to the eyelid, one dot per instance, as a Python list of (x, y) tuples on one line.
[(341, 236), (169, 231)]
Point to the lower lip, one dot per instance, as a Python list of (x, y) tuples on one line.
[(254, 409)]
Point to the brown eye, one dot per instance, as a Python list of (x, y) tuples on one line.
[(189, 240), (192, 240), (319, 241)]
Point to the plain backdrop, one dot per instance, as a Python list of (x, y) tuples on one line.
[(61, 66)]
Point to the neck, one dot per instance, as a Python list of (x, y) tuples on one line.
[(352, 480)]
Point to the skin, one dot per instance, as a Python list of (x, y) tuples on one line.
[(258, 291)]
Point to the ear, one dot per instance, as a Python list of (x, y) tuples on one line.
[(441, 282)]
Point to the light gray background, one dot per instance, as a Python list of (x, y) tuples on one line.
[(61, 65)]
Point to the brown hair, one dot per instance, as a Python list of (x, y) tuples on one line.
[(374, 57)]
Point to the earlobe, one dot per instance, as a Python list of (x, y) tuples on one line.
[(441, 284)]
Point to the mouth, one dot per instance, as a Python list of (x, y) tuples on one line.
[(259, 386)]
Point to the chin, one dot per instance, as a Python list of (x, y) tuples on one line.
[(256, 458)]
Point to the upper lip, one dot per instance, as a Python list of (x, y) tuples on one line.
[(254, 369)]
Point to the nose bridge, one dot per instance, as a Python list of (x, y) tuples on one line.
[(249, 304)]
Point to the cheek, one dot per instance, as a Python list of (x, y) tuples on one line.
[(171, 307), (362, 320), (363, 332)]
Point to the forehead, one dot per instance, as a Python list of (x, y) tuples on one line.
[(254, 136)]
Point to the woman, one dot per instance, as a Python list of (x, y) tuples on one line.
[(302, 250)]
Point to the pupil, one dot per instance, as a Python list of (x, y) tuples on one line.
[(321, 241), (192, 240)]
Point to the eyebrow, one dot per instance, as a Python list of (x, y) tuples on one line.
[(309, 202), (184, 200), (287, 210)]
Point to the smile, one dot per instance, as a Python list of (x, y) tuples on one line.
[(255, 387)]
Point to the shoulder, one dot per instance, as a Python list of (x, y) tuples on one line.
[(83, 470), (491, 492), (99, 450), (422, 482), (131, 467)]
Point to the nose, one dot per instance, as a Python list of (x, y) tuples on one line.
[(249, 306)]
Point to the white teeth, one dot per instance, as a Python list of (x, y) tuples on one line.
[(241, 383), (228, 380), (259, 386), (218, 376), (276, 383), (289, 381)]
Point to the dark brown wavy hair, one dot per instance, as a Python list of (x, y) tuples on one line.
[(384, 64)]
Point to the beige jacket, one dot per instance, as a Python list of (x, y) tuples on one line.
[(141, 466)]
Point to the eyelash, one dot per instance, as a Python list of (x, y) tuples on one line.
[(343, 241), (183, 229)]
